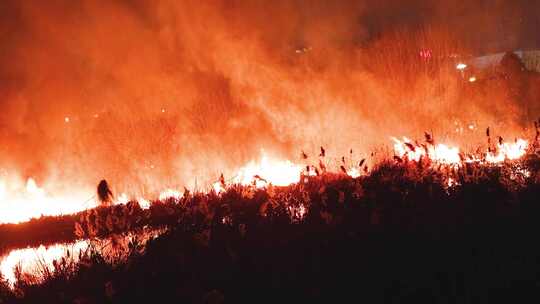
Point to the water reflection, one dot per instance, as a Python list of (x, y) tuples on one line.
[(36, 261)]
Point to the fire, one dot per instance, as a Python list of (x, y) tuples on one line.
[(123, 199), (273, 171), (170, 193), (144, 203), (354, 172), (269, 171), (439, 153), (22, 201), (218, 187), (444, 154), (510, 151)]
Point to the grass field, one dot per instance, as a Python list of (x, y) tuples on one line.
[(407, 231)]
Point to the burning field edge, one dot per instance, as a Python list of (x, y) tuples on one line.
[(236, 243)]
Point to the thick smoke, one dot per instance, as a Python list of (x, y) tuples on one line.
[(150, 94)]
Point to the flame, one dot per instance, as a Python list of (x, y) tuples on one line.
[(144, 203), (19, 203), (510, 151), (272, 171), (22, 201), (354, 172), (218, 187), (170, 193), (269, 171), (444, 154), (439, 153), (124, 199)]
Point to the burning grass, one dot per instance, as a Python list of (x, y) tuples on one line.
[(423, 222)]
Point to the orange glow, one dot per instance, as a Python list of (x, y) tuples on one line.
[(32, 260), (461, 66), (439, 153), (272, 171), (269, 171), (170, 193), (123, 198), (144, 203), (297, 212), (444, 154), (218, 187), (22, 201), (354, 172), (173, 102), (510, 151)]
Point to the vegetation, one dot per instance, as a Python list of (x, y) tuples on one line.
[(408, 231)]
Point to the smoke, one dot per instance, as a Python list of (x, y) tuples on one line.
[(151, 94)]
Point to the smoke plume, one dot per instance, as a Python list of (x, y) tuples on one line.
[(151, 94)]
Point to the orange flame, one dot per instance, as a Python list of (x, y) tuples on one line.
[(264, 172), (444, 154), (439, 153), (22, 201), (510, 151)]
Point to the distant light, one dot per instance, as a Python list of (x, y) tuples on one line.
[(472, 79), (461, 66), (66, 119), (162, 110), (471, 127), (96, 115)]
